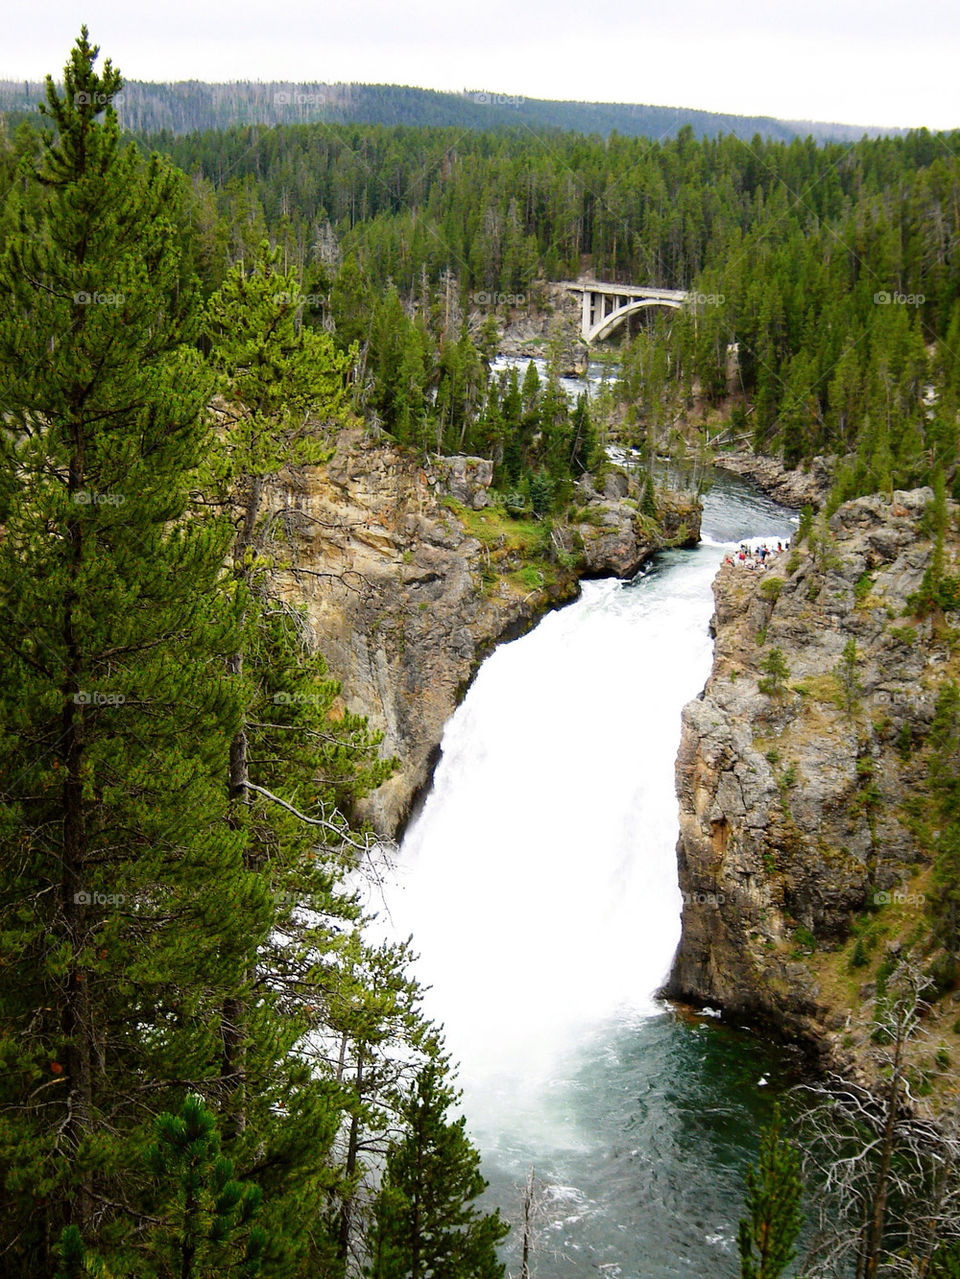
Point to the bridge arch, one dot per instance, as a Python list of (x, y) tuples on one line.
[(605, 306), (612, 321)]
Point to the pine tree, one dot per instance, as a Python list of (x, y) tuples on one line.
[(425, 1219), (511, 409), (648, 499), (379, 1037), (76, 1261), (351, 303), (776, 673), (128, 916), (846, 673), (207, 1215), (297, 762), (583, 439), (768, 1234), (200, 1218), (411, 398)]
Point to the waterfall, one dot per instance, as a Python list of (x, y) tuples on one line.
[(539, 882)]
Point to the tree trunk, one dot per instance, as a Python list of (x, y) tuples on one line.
[(232, 1021), (874, 1236), (350, 1167), (77, 1020), (527, 1227)]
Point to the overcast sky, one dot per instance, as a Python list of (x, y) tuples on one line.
[(889, 62)]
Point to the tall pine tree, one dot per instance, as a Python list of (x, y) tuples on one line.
[(128, 916), (768, 1234)]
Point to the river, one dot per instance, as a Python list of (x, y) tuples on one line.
[(539, 882), (597, 374)]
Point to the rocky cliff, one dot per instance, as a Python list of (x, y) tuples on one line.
[(802, 860), (809, 485), (411, 575), (547, 320)]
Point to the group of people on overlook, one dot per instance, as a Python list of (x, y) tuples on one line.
[(748, 557)]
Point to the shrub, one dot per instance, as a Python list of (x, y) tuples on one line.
[(776, 673), (862, 587)]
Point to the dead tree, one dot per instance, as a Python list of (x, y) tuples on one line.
[(886, 1173)]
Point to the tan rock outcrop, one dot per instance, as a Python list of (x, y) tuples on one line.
[(794, 804)]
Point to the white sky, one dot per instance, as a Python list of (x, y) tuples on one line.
[(884, 62)]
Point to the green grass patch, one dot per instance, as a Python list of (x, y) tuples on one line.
[(495, 529), (530, 577)]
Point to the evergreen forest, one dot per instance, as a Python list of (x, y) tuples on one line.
[(207, 1067)]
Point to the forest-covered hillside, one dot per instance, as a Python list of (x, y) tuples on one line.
[(832, 270), (189, 106)]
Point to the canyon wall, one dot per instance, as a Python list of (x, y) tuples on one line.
[(799, 804)]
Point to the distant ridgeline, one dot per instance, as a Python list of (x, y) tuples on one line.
[(193, 105)]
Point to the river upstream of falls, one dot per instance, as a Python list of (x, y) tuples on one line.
[(539, 881)]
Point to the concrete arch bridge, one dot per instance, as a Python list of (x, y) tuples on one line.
[(606, 306)]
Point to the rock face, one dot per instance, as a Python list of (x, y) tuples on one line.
[(794, 802), (553, 322), (794, 488), (610, 538), (410, 580)]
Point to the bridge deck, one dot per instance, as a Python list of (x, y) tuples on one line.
[(623, 290)]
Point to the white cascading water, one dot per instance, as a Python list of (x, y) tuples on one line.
[(539, 881)]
